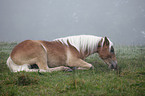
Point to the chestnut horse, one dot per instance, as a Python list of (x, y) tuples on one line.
[(60, 54)]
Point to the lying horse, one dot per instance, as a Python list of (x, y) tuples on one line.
[(60, 54)]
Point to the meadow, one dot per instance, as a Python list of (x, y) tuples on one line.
[(129, 80)]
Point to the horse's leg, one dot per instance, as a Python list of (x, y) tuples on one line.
[(42, 64), (80, 68), (31, 70), (80, 63), (41, 61), (60, 68)]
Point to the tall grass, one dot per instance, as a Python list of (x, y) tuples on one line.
[(128, 81)]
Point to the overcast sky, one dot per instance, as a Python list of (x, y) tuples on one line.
[(123, 21)]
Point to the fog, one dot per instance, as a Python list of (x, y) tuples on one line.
[(123, 21)]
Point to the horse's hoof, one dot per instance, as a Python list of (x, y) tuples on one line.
[(67, 69)]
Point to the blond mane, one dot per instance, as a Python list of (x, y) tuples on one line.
[(81, 42)]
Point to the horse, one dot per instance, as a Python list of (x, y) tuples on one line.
[(61, 54)]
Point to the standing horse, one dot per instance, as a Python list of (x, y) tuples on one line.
[(60, 53)]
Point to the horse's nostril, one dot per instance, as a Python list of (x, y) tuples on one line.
[(115, 67), (112, 66)]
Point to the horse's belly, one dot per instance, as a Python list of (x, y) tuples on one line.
[(55, 61)]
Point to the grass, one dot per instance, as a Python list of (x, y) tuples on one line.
[(128, 81)]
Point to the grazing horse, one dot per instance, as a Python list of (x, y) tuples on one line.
[(61, 53)]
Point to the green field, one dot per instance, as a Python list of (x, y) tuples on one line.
[(129, 80)]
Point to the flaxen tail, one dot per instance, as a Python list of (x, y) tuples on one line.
[(14, 67)]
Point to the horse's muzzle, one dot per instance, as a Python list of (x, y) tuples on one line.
[(113, 65)]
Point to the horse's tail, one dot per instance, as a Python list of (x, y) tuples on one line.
[(9, 62), (14, 67)]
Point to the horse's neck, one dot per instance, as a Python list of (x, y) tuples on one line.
[(84, 44), (90, 47)]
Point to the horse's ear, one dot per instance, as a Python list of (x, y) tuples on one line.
[(100, 43), (106, 42)]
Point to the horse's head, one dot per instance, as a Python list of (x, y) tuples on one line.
[(107, 53)]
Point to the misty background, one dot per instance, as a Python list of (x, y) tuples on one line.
[(123, 21)]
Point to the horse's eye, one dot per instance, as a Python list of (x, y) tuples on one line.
[(112, 49)]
